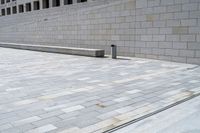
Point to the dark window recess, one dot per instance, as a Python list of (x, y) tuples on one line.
[(36, 5), (3, 12), (21, 8), (14, 9), (68, 2), (8, 11), (2, 1), (28, 7), (45, 4), (79, 1), (56, 3)]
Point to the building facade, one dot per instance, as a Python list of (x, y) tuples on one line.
[(9, 7), (158, 29)]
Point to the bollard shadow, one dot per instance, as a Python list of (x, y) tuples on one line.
[(122, 59)]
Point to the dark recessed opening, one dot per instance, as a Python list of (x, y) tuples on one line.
[(21, 8), (68, 2), (28, 7), (79, 1), (14, 9), (45, 4), (8, 11), (3, 12), (36, 5), (2, 1), (56, 3)]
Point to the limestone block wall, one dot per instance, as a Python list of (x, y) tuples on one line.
[(158, 29)]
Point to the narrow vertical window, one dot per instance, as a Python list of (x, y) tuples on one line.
[(28, 7), (8, 11), (36, 5), (3, 12), (56, 3), (21, 8), (14, 9), (2, 2), (45, 4), (68, 2)]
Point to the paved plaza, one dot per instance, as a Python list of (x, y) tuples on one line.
[(46, 92)]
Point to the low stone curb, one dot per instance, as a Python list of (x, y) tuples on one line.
[(56, 49)]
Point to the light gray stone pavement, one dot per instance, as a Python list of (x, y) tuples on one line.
[(183, 118), (46, 92)]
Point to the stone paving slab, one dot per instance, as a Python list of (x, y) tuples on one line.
[(45, 92)]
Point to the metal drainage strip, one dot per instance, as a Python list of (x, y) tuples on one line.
[(151, 114)]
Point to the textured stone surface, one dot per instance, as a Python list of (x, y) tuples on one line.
[(141, 28), (45, 92)]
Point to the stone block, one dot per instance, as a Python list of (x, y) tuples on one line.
[(189, 22), (198, 38), (194, 30), (171, 52), (181, 15), (153, 3), (165, 45), (197, 54), (180, 30), (179, 59), (146, 37), (174, 8), (173, 38), (173, 23), (188, 38), (181, 1), (152, 44), (158, 51), (165, 31), (159, 24), (158, 37), (167, 2), (179, 45), (194, 46), (152, 31), (150, 17), (190, 7), (193, 61), (187, 53), (141, 3)]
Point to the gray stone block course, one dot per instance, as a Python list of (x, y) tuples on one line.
[(189, 22), (188, 38), (187, 53), (190, 7), (174, 8), (97, 24), (168, 2), (193, 60), (171, 52), (181, 15), (197, 54), (165, 45), (175, 38), (194, 46), (178, 45)]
